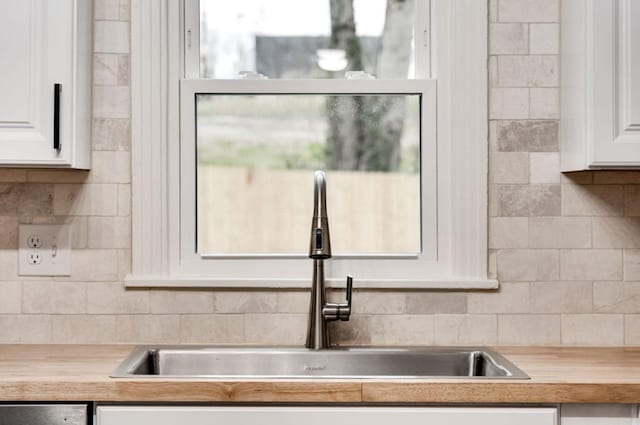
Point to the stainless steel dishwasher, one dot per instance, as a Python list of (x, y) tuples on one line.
[(43, 414)]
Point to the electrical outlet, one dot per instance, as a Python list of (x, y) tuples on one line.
[(44, 250)]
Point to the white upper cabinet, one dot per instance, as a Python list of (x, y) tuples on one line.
[(46, 47), (600, 84)]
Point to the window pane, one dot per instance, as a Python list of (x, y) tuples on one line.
[(296, 39), (255, 160)]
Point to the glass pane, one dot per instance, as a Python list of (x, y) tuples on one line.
[(256, 155), (306, 39)]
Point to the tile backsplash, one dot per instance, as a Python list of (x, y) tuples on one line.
[(565, 247)]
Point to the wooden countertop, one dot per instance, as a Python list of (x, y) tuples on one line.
[(558, 375)]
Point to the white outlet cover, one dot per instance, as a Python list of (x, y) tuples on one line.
[(55, 250)]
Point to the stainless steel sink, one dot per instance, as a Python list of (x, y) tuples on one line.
[(288, 363)]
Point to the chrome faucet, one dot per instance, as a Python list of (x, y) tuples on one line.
[(320, 311)]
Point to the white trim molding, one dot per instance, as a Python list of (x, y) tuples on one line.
[(458, 63)]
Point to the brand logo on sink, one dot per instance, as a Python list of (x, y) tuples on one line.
[(312, 368)]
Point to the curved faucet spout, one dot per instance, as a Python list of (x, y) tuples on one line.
[(320, 242), (319, 194)]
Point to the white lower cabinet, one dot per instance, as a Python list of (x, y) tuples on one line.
[(599, 414), (196, 415)]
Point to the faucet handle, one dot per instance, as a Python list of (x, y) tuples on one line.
[(349, 288), (339, 311)]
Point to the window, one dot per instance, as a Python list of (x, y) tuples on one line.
[(222, 141)]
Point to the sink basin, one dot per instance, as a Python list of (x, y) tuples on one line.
[(287, 363)]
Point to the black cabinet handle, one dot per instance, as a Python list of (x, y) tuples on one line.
[(57, 89)]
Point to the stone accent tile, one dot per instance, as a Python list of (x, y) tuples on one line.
[(110, 167), (26, 199), (527, 136), (276, 329), (113, 298), (124, 200), (405, 329), (509, 103), (529, 10), (544, 167), (436, 302), (180, 302), (616, 177), (544, 39), (513, 200), (111, 102), (83, 329), (517, 265), (298, 302), (544, 103), (10, 175), (529, 329), (577, 177), (54, 297), (631, 264), (111, 37), (148, 329), (561, 297), (528, 71), (87, 199), (559, 232), (616, 232), (124, 70), (109, 232), (370, 302), (10, 297), (106, 10), (94, 265), (105, 70), (544, 200), (58, 176), (632, 329), (212, 329), (505, 39), (9, 233), (25, 329), (592, 329), (244, 302), (466, 329), (509, 167), (592, 200), (111, 134), (529, 200), (508, 232), (591, 264), (510, 298), (616, 297), (632, 200)]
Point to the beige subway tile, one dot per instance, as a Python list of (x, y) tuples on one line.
[(105, 69), (544, 167), (244, 302), (124, 200), (94, 265), (577, 177), (58, 176), (631, 264), (616, 297), (529, 10), (12, 175), (616, 232), (109, 232), (493, 77), (494, 201), (592, 200), (591, 264), (505, 39), (111, 102), (124, 70), (297, 301), (544, 103), (404, 329), (508, 232), (110, 37), (180, 302), (592, 329), (466, 329), (10, 297), (509, 167), (529, 329), (148, 329), (616, 177), (510, 298), (9, 233), (632, 200), (212, 328), (378, 302), (54, 297), (25, 329), (544, 39), (493, 10), (275, 329), (87, 199), (528, 71), (492, 268), (111, 134), (9, 264), (125, 10), (560, 232), (124, 263), (529, 200), (110, 167), (509, 103), (561, 297), (436, 302), (527, 136), (632, 329), (83, 329), (113, 298), (106, 10), (528, 265)]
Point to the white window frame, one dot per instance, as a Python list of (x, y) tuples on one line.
[(458, 61)]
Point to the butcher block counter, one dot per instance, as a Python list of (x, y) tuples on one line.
[(558, 375)]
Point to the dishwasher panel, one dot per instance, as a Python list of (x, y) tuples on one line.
[(43, 414)]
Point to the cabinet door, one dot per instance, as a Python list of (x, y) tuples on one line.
[(37, 52), (599, 414), (181, 415)]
